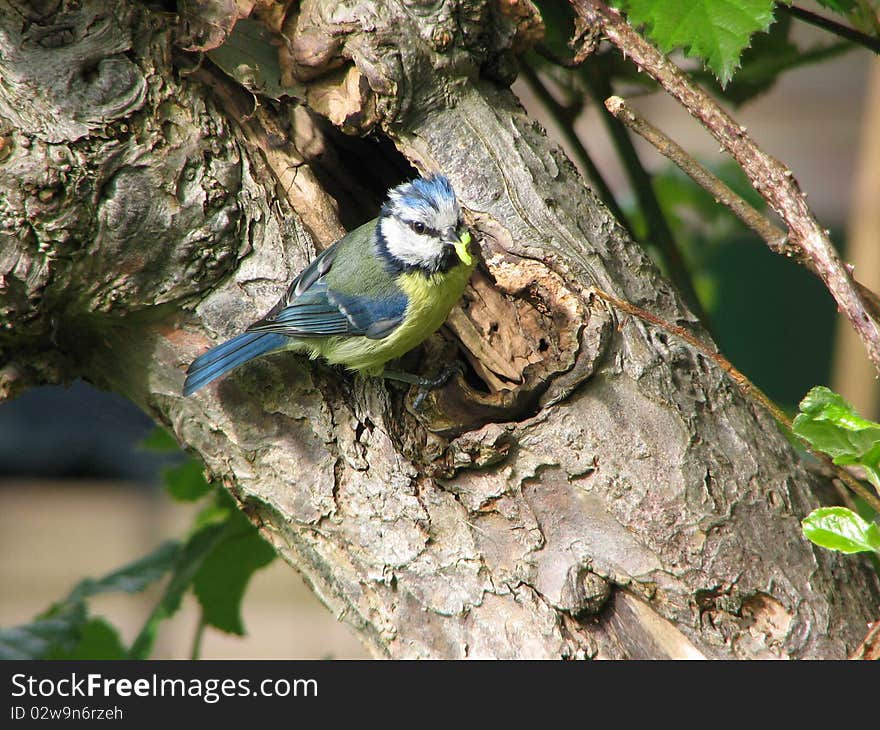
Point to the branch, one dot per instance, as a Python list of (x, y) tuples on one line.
[(710, 182), (770, 178), (870, 647), (774, 236), (843, 31)]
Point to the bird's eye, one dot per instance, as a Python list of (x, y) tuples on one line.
[(418, 227)]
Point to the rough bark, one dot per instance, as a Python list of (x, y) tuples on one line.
[(590, 488)]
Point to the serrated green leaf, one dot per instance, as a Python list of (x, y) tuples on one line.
[(97, 640), (187, 483), (717, 31), (830, 424), (769, 56), (223, 577), (841, 529), (759, 74), (761, 63)]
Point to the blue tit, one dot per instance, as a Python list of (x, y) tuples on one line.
[(369, 298)]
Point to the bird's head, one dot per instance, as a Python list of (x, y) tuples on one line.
[(421, 229)]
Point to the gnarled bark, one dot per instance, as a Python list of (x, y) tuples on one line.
[(591, 487)]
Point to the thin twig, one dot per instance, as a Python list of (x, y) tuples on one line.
[(746, 386), (549, 54), (870, 647), (196, 650), (710, 182), (771, 179), (851, 34), (775, 237), (845, 496)]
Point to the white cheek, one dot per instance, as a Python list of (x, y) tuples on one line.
[(406, 245)]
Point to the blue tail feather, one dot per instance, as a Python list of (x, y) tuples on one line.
[(225, 357)]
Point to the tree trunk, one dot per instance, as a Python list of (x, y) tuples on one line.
[(590, 488)]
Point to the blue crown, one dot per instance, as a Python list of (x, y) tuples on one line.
[(425, 194)]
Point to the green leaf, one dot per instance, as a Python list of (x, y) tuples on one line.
[(212, 514), (36, 640), (717, 31), (223, 577), (160, 440), (831, 425), (187, 564), (65, 629), (187, 483), (770, 55), (841, 529), (559, 26), (97, 640), (758, 73), (840, 6), (217, 562), (133, 577)]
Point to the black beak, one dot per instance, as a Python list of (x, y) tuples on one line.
[(449, 236)]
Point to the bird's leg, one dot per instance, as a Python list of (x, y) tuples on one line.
[(426, 385)]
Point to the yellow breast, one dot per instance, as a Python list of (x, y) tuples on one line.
[(430, 300)]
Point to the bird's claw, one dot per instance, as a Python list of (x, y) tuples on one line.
[(428, 384)]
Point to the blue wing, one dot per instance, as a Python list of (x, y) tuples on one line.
[(308, 309), (312, 309)]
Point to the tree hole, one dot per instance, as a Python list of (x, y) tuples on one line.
[(356, 171)]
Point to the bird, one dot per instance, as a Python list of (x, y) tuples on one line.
[(370, 297)]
